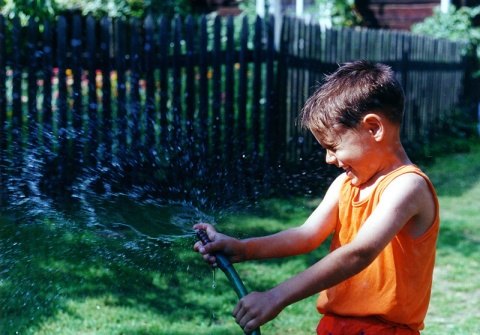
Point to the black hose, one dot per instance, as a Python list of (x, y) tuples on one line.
[(226, 266)]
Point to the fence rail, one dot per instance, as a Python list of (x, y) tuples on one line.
[(202, 107)]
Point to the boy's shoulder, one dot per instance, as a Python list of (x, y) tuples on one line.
[(410, 173), (410, 179)]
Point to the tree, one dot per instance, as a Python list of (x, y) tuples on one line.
[(457, 24), (42, 9)]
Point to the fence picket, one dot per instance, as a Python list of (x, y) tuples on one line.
[(177, 123), (150, 101), (47, 65), (76, 69), (17, 112), (3, 109), (217, 140), (106, 115), (91, 141), (32, 115), (204, 93), (191, 171), (243, 89), (256, 89), (163, 43), (229, 111), (134, 118), (190, 91), (270, 119), (122, 115)]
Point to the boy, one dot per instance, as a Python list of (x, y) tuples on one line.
[(383, 213)]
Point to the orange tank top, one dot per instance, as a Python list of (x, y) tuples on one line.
[(396, 286)]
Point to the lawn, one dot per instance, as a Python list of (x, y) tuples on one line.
[(455, 305), (61, 274)]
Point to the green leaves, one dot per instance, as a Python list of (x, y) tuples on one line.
[(44, 9), (456, 24)]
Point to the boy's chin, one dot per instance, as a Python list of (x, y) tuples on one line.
[(354, 180)]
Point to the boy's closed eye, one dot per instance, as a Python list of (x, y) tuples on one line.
[(330, 147)]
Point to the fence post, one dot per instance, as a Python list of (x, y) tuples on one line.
[(63, 154), (242, 147), (120, 65), (32, 116), (229, 111), (106, 129), (403, 70), (190, 105), (3, 106), (47, 65), (271, 117), (134, 119), (77, 117), (203, 105), (164, 43), (216, 126), (17, 113), (91, 142), (150, 110), (256, 96)]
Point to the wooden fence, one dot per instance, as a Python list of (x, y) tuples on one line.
[(195, 108)]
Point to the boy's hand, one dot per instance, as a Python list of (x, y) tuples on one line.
[(229, 246), (256, 309)]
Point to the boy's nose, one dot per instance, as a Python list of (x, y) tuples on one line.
[(329, 157)]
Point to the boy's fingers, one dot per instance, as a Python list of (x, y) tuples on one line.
[(209, 258), (250, 327), (203, 226), (210, 248), (197, 246)]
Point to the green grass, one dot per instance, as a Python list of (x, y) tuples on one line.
[(455, 304), (59, 276)]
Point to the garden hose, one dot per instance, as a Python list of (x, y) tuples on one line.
[(226, 266)]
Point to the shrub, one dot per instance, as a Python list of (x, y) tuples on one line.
[(43, 9), (457, 24)]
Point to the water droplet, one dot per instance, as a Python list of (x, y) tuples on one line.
[(214, 284)]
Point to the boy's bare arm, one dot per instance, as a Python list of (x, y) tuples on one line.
[(305, 238), (289, 242), (407, 197)]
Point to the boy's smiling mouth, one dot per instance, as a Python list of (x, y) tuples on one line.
[(348, 171)]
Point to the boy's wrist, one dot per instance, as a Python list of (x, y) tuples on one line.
[(247, 249), (280, 296)]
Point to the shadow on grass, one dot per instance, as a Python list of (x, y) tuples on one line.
[(44, 267), (458, 242), (453, 175)]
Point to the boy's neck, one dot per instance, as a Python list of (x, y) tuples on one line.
[(396, 158)]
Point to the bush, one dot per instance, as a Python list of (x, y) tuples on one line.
[(455, 133), (456, 24), (43, 9)]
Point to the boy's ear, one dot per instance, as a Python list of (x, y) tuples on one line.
[(373, 123)]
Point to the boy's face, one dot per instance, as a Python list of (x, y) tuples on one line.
[(351, 150)]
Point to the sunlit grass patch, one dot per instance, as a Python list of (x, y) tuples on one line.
[(454, 308)]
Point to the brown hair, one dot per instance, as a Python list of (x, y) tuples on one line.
[(351, 92)]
